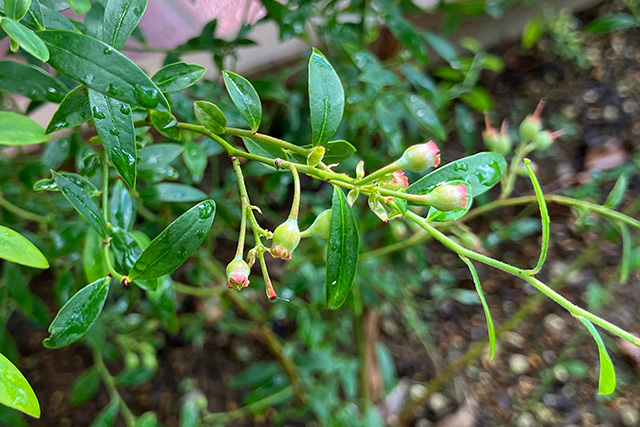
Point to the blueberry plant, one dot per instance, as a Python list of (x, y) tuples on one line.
[(102, 193)]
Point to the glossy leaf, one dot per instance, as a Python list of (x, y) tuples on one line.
[(158, 155), (31, 81), (114, 123), (482, 171), (82, 203), (485, 306), (49, 184), (261, 148), (16, 129), (178, 76), (80, 6), (79, 313), (16, 248), (210, 116), (544, 215), (121, 17), (15, 391), (195, 157), (73, 111), (122, 207), (342, 250), (171, 248), (436, 215), (93, 257), (94, 21), (607, 383), (102, 68), (165, 123), (337, 151), (611, 23), (125, 248), (170, 192), (16, 9), (326, 98), (425, 115), (26, 38), (35, 14), (245, 98)]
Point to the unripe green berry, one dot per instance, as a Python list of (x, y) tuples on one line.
[(530, 128), (543, 140), (420, 157), (286, 238), (497, 142)]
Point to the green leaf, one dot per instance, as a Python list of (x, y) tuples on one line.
[(210, 116), (616, 196), (178, 76), (94, 21), (16, 248), (107, 416), (85, 387), (439, 216), (15, 391), (156, 156), (442, 47), (607, 383), (16, 9), (82, 203), (80, 6), (170, 192), (481, 171), (625, 262), (245, 98), (93, 257), (263, 149), (35, 14), (532, 32), (342, 250), (425, 115), (175, 243), (114, 123), (31, 81), (122, 207), (544, 215), (26, 38), (79, 313), (49, 184), (102, 68), (485, 306), (73, 111), (16, 129), (195, 157), (337, 151), (165, 123), (121, 17), (379, 78), (326, 98), (611, 23)]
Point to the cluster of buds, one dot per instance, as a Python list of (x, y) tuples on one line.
[(498, 142), (531, 130)]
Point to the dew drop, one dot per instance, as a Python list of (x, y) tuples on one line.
[(148, 96), (460, 167), (125, 109), (200, 234), (97, 113), (107, 50), (206, 210), (114, 132)]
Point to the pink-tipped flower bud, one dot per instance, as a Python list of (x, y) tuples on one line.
[(396, 181), (321, 225), (420, 157), (532, 124), (238, 274), (498, 142), (448, 197), (286, 238), (544, 139)]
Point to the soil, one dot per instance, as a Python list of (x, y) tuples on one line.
[(604, 103)]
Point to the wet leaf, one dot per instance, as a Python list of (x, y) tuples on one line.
[(326, 98), (122, 207), (79, 313), (425, 115), (121, 17), (210, 116), (156, 156), (436, 215), (73, 111), (245, 98), (178, 76), (171, 192), (196, 159), (26, 38), (15, 391), (165, 123), (16, 248), (49, 184), (31, 81), (82, 203), (171, 248)]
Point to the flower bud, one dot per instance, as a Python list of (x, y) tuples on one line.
[(285, 239), (448, 197), (238, 274), (320, 227), (532, 125), (397, 181), (315, 156), (420, 157), (544, 139), (497, 142)]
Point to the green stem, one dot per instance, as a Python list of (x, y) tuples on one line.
[(525, 275), (197, 292), (110, 383), (295, 205), (253, 408), (385, 170), (522, 150), (105, 213), (268, 140), (18, 211)]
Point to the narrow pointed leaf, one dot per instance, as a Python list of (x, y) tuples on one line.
[(342, 250), (616, 196), (173, 192), (82, 203), (326, 98), (627, 243), (485, 306), (114, 123), (171, 248), (15, 391), (31, 81), (422, 111), (79, 313), (16, 248), (245, 98), (49, 184), (122, 207), (16, 9), (178, 76), (26, 38), (121, 17), (93, 257), (607, 383), (102, 68), (16, 129), (210, 116), (73, 111), (544, 215)]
